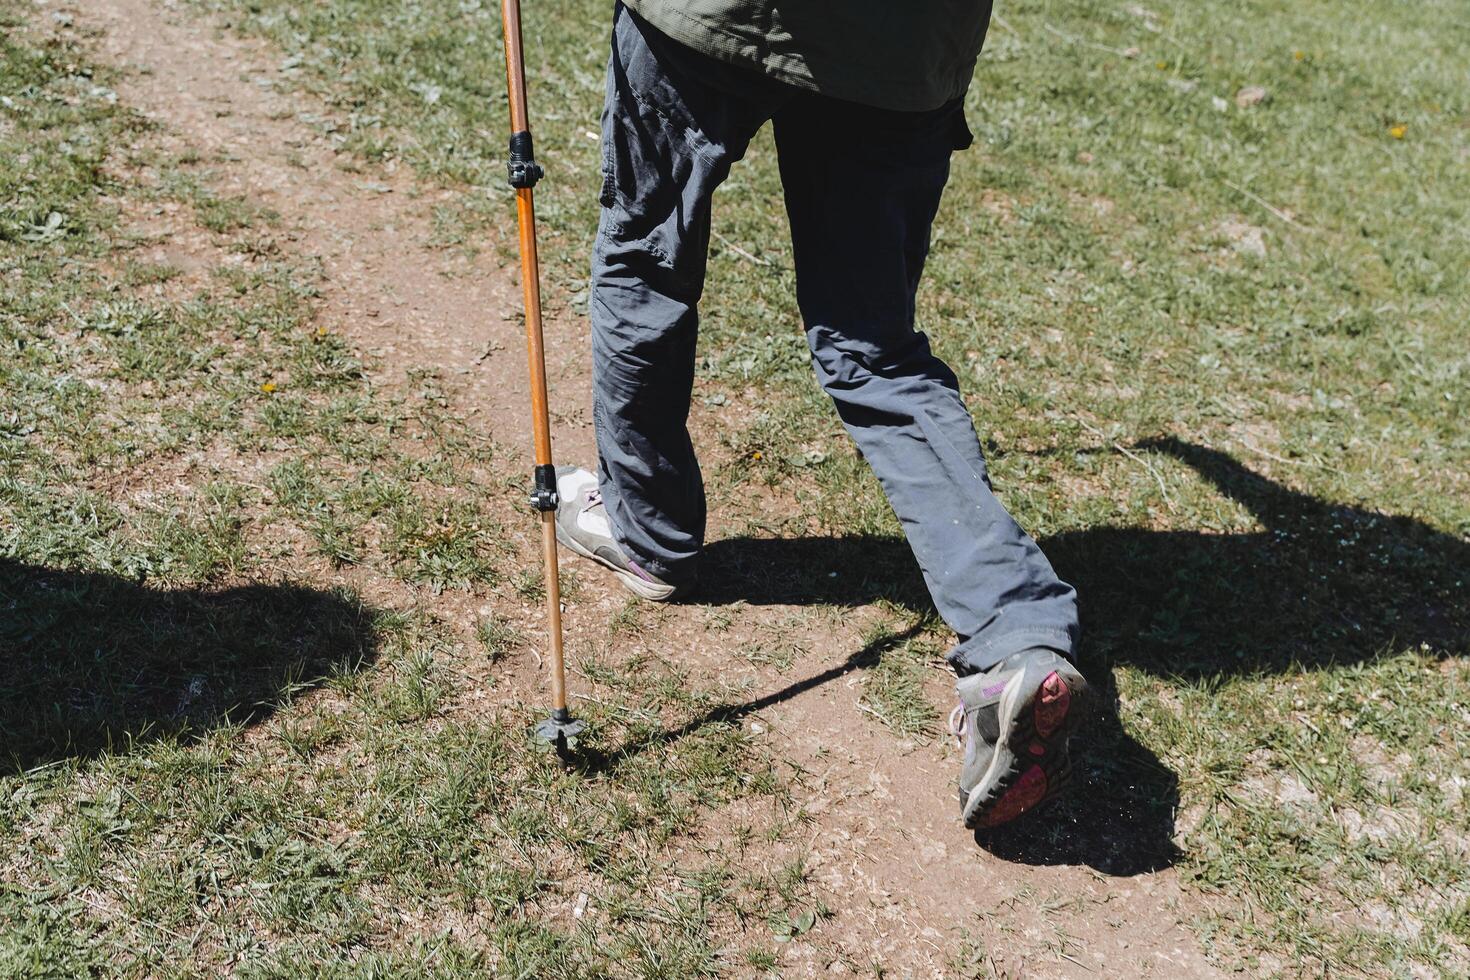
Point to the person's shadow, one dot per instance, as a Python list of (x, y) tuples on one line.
[(93, 663), (1323, 584)]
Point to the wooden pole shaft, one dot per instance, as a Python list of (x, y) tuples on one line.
[(535, 339), (515, 64), (553, 611), (515, 74)]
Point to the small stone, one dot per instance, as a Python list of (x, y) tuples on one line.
[(1132, 52), (1220, 104), (1249, 96), (1245, 239)]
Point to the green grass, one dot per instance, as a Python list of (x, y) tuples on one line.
[(1216, 356), (216, 755)]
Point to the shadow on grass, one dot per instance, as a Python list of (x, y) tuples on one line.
[(1322, 585), (91, 663), (596, 762)]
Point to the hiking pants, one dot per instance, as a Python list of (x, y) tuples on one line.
[(862, 186)]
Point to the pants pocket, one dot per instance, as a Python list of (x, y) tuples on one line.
[(608, 196)]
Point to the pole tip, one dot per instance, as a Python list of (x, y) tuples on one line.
[(559, 733)]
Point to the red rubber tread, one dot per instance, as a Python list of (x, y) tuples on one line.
[(1052, 704), (1028, 791)]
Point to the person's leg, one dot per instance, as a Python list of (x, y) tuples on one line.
[(862, 188), (673, 123)]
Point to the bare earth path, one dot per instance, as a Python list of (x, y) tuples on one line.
[(907, 884)]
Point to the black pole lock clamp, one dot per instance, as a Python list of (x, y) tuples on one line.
[(522, 168), (543, 497)]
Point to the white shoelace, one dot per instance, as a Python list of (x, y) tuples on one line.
[(959, 724)]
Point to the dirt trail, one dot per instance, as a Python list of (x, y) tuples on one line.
[(385, 286), (905, 880)]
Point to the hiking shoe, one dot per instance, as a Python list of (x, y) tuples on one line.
[(1014, 721), (581, 525)]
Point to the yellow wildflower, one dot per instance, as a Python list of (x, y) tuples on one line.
[(1397, 132), (268, 387)]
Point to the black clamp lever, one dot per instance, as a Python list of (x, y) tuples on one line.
[(522, 168), (543, 496)]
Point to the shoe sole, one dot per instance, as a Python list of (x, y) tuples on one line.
[(642, 589), (1031, 763)]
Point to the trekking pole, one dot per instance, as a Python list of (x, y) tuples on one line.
[(558, 731)]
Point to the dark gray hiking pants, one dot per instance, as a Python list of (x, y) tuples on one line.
[(862, 186)]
